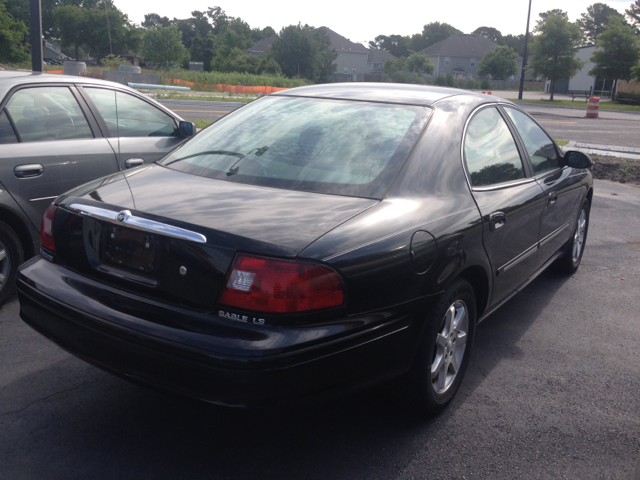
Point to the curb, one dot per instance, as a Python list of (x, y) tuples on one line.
[(604, 150)]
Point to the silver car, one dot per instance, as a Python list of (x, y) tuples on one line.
[(57, 132)]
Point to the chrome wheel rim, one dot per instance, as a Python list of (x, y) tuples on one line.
[(451, 343), (578, 236), (5, 264)]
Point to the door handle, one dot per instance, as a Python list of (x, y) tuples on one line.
[(29, 170), (133, 162), (497, 220), (553, 197)]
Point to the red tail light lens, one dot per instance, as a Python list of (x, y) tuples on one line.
[(46, 230), (280, 286)]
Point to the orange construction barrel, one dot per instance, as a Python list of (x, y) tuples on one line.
[(592, 107)]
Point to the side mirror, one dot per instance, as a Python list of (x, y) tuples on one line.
[(576, 159), (187, 129)]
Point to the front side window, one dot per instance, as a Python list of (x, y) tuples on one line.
[(326, 146), (47, 113), (7, 135), (490, 150), (129, 116), (540, 147)]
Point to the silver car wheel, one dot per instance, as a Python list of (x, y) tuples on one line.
[(579, 235), (450, 347)]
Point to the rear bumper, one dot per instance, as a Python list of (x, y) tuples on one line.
[(231, 364)]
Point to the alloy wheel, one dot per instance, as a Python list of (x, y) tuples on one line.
[(578, 237), (450, 347)]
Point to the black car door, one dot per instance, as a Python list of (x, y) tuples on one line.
[(561, 184), (509, 200)]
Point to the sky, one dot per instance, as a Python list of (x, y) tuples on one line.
[(361, 22)]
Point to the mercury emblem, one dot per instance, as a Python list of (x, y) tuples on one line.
[(121, 216), (183, 270)]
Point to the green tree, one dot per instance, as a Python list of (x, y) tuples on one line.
[(514, 41), (435, 32), (596, 19), (155, 20), (635, 73), (392, 66), (553, 50), (491, 33), (162, 46), (499, 62), (633, 13), (12, 36), (72, 25), (419, 64), (544, 15), (396, 45), (617, 52), (304, 51)]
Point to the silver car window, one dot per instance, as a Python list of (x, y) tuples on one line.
[(128, 116), (7, 135), (47, 113)]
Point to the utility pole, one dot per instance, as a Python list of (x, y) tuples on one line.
[(36, 35), (524, 58)]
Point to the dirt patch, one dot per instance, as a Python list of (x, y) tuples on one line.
[(616, 169)]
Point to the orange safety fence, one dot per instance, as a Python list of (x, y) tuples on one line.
[(229, 88), (55, 71)]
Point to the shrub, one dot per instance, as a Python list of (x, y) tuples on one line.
[(449, 79), (471, 84), (441, 80), (485, 84), (112, 62)]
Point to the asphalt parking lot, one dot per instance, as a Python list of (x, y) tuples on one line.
[(552, 392)]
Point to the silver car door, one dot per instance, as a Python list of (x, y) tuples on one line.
[(138, 130), (59, 147)]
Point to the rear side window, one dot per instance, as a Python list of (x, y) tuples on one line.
[(128, 116), (7, 135), (47, 113), (540, 148), (320, 145), (490, 150)]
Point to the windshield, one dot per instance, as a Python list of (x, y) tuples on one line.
[(317, 145)]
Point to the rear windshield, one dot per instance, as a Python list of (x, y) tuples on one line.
[(317, 145)]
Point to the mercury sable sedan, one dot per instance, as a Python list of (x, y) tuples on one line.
[(319, 240)]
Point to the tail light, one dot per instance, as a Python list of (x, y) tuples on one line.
[(280, 286), (46, 230)]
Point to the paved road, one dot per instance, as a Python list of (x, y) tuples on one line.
[(613, 128), (551, 393), (196, 110)]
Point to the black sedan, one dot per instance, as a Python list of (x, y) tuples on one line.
[(317, 241)]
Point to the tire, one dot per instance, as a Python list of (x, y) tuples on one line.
[(11, 256), (570, 261), (443, 355)]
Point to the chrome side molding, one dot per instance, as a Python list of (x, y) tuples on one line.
[(125, 217)]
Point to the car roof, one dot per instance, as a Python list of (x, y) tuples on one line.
[(423, 95), (13, 78), (10, 79)]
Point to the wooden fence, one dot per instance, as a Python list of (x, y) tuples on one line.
[(628, 87)]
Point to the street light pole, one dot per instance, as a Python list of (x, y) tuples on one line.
[(36, 35), (524, 58)]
